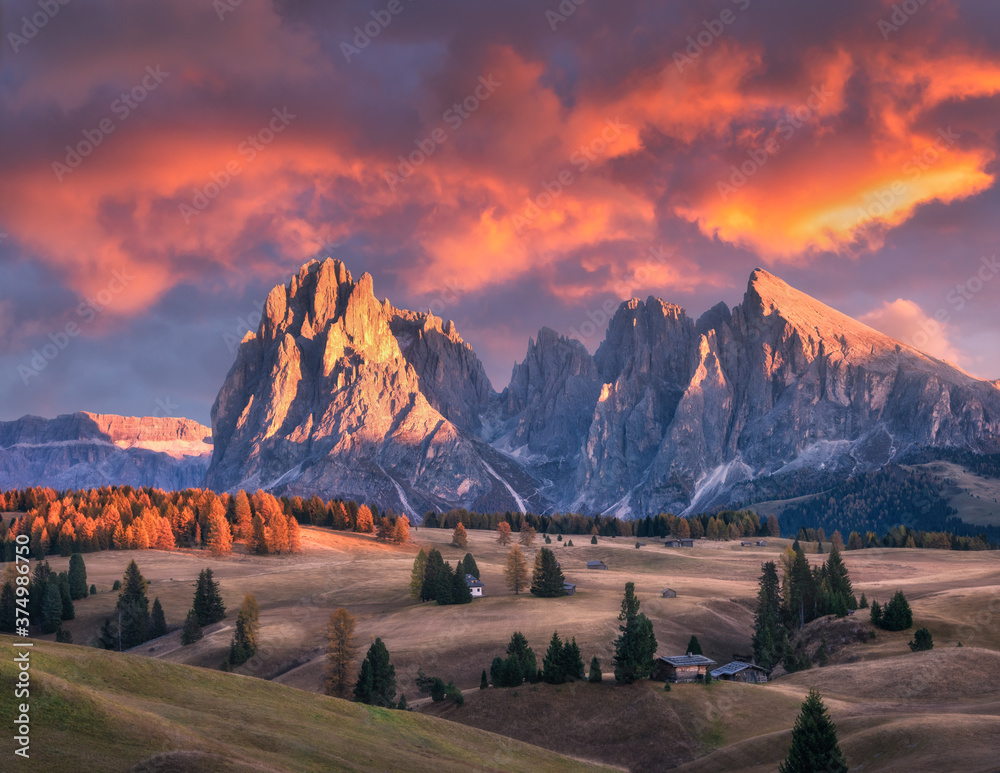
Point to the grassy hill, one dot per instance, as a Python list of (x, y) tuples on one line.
[(96, 710)]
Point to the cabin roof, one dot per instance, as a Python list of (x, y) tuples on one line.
[(736, 666), (687, 660)]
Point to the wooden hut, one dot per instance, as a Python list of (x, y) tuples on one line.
[(738, 671), (596, 565), (669, 593), (683, 668)]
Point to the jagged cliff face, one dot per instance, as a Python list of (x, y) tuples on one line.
[(341, 395), (322, 400), (87, 450)]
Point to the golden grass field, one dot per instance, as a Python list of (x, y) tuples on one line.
[(641, 727)]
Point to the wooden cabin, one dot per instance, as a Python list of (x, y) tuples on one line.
[(672, 543), (682, 668), (738, 671), (669, 593), (687, 543), (569, 589), (596, 565), (762, 543)]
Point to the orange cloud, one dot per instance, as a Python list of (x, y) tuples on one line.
[(905, 321)]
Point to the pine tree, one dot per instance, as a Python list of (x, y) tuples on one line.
[(595, 670), (68, 612), (922, 640), (8, 608), (814, 741), (444, 585), (897, 615), (863, 604), (553, 664), (767, 639), (134, 608), (376, 683), (109, 637), (244, 644), (207, 604), (191, 631), (52, 608), (93, 590), (838, 584), (572, 661), (402, 704), (483, 682), (470, 566), (547, 580), (635, 647), (516, 571), (802, 587), (340, 653), (77, 577), (417, 574), (519, 650), (461, 593), (694, 647), (876, 614), (459, 538), (157, 620), (433, 567)]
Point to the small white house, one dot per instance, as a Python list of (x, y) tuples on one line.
[(475, 586)]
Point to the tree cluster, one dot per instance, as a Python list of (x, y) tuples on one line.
[(438, 582)]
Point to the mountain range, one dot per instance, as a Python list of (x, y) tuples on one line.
[(342, 395)]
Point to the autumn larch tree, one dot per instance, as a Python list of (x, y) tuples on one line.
[(527, 536), (376, 683), (503, 533), (243, 518), (340, 653), (516, 571), (459, 537), (244, 644), (401, 530), (417, 574), (814, 741), (220, 541), (294, 536), (365, 523)]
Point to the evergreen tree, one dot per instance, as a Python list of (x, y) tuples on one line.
[(63, 636), (483, 682), (519, 650), (109, 637), (838, 584), (863, 604), (694, 647), (376, 683), (897, 615), (444, 585), (516, 571), (157, 620), (417, 574), (635, 647), (244, 644), (814, 741), (593, 540), (93, 590), (470, 566), (547, 580), (802, 586), (595, 670), (134, 608), (68, 612), (77, 577), (767, 638), (433, 567), (207, 604), (572, 661), (461, 593), (8, 608), (191, 631), (340, 653), (876, 614), (552, 664), (52, 608), (922, 640), (402, 704)]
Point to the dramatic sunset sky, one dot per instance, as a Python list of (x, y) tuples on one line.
[(869, 144)]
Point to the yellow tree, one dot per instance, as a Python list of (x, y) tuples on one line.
[(516, 571), (294, 535), (460, 539), (366, 524), (220, 541), (503, 533), (401, 531), (340, 654), (527, 536)]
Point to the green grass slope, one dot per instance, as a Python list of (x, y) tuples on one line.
[(96, 710)]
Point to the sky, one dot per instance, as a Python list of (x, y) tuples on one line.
[(507, 165)]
